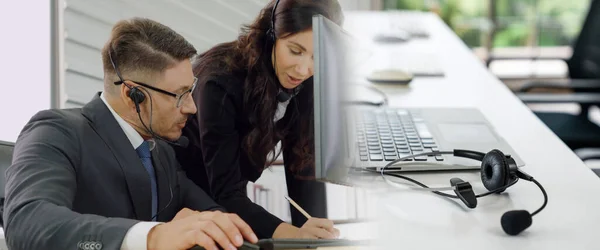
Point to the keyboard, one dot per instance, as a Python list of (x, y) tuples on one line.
[(280, 244), (390, 134)]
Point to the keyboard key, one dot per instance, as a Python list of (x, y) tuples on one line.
[(414, 140), (387, 145), (439, 158), (375, 151), (389, 150), (421, 158), (429, 145), (427, 150), (389, 153), (417, 148), (363, 153), (414, 145), (376, 157), (427, 140), (404, 151), (364, 158), (405, 155), (391, 158)]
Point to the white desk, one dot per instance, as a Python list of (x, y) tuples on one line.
[(410, 220)]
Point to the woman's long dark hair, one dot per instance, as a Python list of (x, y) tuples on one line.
[(250, 54)]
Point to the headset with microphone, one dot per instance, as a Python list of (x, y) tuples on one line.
[(282, 95), (138, 97), (498, 172)]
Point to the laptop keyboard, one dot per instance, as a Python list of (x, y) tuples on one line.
[(387, 135)]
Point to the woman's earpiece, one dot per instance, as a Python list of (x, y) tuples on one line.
[(271, 30)]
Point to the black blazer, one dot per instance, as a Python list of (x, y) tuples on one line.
[(215, 160), (76, 177)]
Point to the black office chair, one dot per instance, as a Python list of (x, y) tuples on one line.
[(582, 87), (584, 63), (6, 152)]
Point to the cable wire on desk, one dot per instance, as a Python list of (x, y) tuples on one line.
[(385, 171), (377, 91)]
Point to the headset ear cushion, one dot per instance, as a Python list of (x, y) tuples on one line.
[(136, 95), (494, 170)]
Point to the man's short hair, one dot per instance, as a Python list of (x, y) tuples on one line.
[(140, 46)]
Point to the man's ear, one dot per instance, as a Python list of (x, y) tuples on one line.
[(124, 94)]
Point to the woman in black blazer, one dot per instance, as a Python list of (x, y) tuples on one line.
[(253, 93)]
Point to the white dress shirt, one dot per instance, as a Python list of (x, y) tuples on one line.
[(281, 108), (137, 236)]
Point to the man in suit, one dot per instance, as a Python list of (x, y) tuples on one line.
[(104, 176)]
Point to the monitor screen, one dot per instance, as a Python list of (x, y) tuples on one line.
[(334, 58)]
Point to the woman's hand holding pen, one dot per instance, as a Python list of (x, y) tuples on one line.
[(313, 228), (317, 228)]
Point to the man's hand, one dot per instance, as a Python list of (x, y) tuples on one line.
[(207, 229), (183, 213), (314, 228)]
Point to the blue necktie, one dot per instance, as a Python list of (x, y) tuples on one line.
[(143, 152)]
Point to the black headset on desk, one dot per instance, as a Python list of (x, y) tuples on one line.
[(498, 172)]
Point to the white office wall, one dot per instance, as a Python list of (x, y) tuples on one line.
[(204, 23), (25, 64), (87, 26), (361, 4)]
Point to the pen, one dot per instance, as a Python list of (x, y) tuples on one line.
[(298, 207)]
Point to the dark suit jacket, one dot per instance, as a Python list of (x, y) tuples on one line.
[(215, 161), (75, 177)]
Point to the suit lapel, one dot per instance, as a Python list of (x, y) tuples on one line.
[(138, 183), (164, 191)]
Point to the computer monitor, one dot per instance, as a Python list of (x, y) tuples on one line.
[(334, 59)]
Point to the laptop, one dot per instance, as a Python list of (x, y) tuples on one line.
[(379, 135), (370, 137)]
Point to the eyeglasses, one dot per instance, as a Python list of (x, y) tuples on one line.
[(180, 97)]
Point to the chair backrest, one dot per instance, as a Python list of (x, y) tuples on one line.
[(585, 61), (6, 152)]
